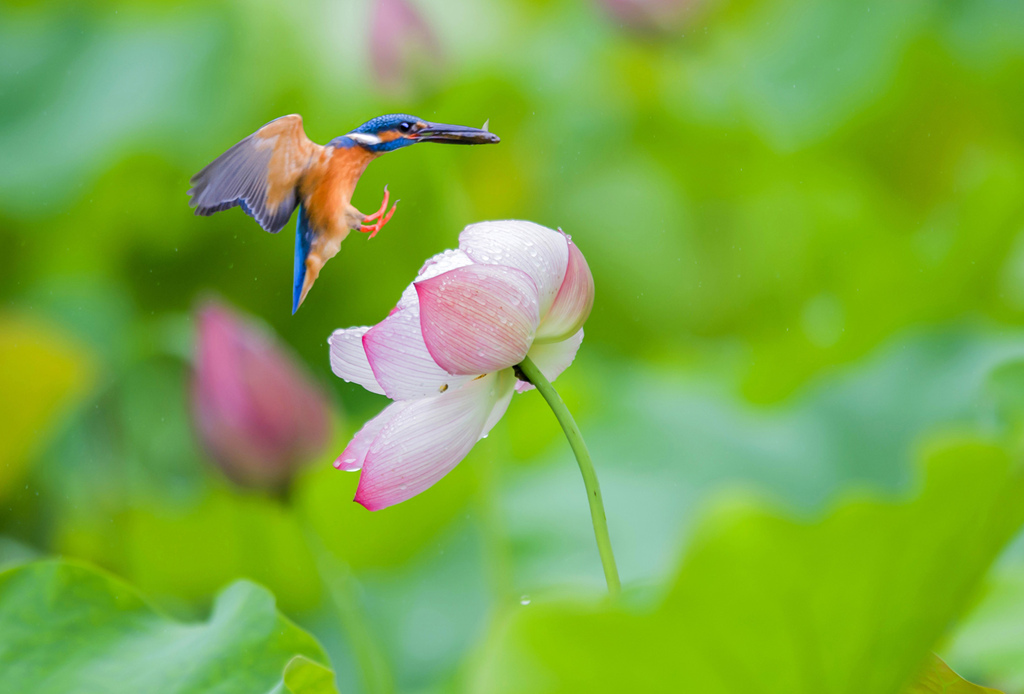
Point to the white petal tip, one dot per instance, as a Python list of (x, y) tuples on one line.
[(348, 463)]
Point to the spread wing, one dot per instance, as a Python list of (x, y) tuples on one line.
[(259, 174)]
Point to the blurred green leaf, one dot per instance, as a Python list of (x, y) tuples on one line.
[(985, 34), (989, 644), (665, 439), (305, 676), (850, 603), (189, 551), (13, 553), (939, 678), (41, 372), (67, 627), (1005, 390), (813, 73)]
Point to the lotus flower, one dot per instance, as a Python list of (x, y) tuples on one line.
[(255, 409), (446, 353)]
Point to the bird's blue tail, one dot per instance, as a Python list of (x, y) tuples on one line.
[(303, 240)]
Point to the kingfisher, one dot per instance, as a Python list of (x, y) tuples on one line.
[(278, 168)]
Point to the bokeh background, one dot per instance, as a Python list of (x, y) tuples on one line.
[(805, 220)]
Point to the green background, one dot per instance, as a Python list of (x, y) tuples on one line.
[(805, 221)]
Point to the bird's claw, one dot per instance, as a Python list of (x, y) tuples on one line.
[(379, 218), (372, 229), (383, 206)]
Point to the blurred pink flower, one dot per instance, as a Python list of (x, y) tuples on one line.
[(653, 15), (256, 410), (445, 354), (403, 47)]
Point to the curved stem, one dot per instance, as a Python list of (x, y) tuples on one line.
[(579, 448), (341, 588)]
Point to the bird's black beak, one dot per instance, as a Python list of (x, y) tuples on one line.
[(456, 135)]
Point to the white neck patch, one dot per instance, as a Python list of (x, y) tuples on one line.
[(364, 138)]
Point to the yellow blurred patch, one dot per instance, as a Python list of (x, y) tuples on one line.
[(42, 373)]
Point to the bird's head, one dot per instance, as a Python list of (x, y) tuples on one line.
[(388, 133)]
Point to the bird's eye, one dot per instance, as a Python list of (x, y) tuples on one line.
[(405, 127)]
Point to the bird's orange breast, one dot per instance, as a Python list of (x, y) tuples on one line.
[(327, 187)]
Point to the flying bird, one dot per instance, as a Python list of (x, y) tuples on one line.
[(278, 168)]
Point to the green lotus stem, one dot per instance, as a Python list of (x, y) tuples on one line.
[(337, 578), (579, 448)]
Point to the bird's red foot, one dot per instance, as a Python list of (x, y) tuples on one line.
[(379, 218)]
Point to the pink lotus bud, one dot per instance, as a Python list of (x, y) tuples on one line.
[(403, 47), (655, 15), (256, 410)]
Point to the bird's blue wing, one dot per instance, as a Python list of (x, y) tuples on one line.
[(259, 174)]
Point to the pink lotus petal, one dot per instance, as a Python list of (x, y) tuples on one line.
[(424, 441), (439, 264), (348, 358), (400, 360), (540, 252), (573, 303), (552, 358), (479, 318), (352, 457), (443, 262), (506, 387)]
